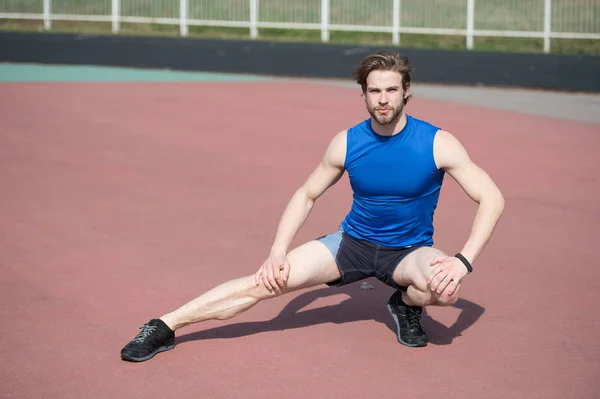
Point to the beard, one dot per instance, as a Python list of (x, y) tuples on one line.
[(389, 118)]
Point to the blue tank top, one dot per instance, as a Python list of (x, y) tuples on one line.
[(395, 183)]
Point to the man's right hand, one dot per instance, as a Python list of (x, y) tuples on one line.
[(273, 273)]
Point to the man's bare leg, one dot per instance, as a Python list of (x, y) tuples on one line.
[(406, 308), (413, 272), (311, 264)]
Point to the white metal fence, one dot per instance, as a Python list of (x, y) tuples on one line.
[(544, 19)]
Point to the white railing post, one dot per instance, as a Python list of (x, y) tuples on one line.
[(396, 22), (116, 11), (547, 24), (324, 20), (253, 19), (470, 23), (47, 12), (183, 17)]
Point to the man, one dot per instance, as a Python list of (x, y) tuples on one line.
[(396, 165)]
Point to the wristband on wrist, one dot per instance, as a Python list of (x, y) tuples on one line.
[(465, 262)]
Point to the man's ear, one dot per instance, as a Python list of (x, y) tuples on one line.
[(407, 93)]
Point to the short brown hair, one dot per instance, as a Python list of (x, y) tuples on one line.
[(383, 60)]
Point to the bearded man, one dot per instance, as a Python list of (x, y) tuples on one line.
[(396, 165)]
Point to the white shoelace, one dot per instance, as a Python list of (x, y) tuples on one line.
[(146, 330)]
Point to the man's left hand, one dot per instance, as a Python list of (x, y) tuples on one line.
[(447, 273)]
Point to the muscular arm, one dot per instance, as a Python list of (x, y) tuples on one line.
[(325, 175), (275, 270), (451, 156)]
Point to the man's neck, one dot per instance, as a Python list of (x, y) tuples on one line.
[(390, 129)]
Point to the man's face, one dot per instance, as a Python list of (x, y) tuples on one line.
[(384, 96)]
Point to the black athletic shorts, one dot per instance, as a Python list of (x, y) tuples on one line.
[(360, 259)]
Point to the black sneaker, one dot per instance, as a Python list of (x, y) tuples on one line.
[(408, 321), (154, 337)]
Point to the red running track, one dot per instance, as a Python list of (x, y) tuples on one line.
[(122, 201)]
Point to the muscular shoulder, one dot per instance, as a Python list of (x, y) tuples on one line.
[(336, 151), (448, 151)]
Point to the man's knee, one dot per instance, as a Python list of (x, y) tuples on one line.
[(249, 288), (430, 298), (444, 299), (261, 292), (447, 300)]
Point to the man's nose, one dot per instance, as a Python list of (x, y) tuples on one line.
[(383, 98)]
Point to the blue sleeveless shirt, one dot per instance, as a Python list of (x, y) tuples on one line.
[(395, 183)]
